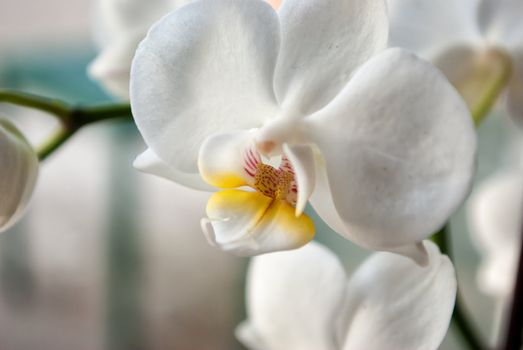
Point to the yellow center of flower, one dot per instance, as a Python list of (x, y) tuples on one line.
[(265, 219), (272, 182)]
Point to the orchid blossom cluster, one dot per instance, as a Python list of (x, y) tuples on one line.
[(228, 94), (281, 108)]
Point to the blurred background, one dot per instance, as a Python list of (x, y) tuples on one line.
[(109, 258)]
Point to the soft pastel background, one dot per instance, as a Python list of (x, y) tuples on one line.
[(108, 258)]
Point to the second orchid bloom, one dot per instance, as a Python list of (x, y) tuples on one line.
[(303, 300), (478, 44), (304, 104)]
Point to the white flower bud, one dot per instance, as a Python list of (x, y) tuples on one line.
[(18, 173)]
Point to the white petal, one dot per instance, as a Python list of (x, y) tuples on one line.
[(500, 22), (149, 162), (205, 68), (301, 158), (246, 334), (496, 273), (229, 159), (113, 65), (249, 223), (494, 211), (494, 216), (18, 176), (323, 42), (119, 25), (417, 252), (392, 303), (399, 147), (428, 27), (515, 91), (293, 299)]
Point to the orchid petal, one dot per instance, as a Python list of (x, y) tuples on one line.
[(19, 174), (408, 153), (392, 303), (417, 252), (246, 334), (229, 160), (428, 27), (301, 158), (293, 299), (496, 273), (119, 26), (249, 223), (212, 63), (149, 162), (494, 211), (323, 42), (113, 65), (500, 22), (494, 216)]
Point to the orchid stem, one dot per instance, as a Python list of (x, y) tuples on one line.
[(513, 340), (72, 117), (460, 320), (52, 106), (53, 143)]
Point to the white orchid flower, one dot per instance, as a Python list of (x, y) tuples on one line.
[(494, 216), (18, 173), (477, 43), (301, 104), (302, 300), (120, 25)]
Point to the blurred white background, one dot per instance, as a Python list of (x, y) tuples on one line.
[(29, 22)]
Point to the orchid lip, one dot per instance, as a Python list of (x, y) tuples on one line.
[(277, 183), (259, 208)]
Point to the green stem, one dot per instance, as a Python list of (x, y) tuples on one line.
[(71, 117), (53, 143), (53, 106), (482, 109), (461, 322), (101, 113)]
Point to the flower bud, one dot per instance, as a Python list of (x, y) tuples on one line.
[(480, 76), (18, 173)]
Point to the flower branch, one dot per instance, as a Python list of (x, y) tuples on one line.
[(72, 117), (52, 106)]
